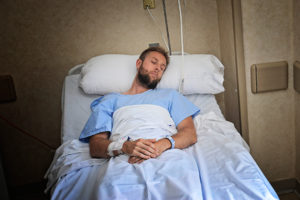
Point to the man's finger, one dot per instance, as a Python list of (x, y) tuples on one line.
[(131, 159), (140, 161), (140, 153), (148, 146), (146, 151), (151, 140), (134, 159)]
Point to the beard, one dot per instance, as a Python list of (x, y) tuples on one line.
[(145, 79)]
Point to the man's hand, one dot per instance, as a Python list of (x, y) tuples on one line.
[(160, 145), (141, 148), (185, 137), (134, 159)]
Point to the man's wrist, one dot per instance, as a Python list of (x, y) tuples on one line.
[(167, 144), (171, 142), (115, 148), (124, 147)]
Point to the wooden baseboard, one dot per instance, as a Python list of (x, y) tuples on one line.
[(286, 185)]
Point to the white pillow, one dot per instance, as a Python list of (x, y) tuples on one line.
[(203, 74), (108, 73)]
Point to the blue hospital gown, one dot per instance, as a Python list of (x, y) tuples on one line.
[(103, 108)]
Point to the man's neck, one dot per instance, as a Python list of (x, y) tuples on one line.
[(136, 88)]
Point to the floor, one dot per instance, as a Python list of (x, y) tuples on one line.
[(289, 196), (29, 192)]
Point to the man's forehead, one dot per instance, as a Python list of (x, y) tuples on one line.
[(157, 56)]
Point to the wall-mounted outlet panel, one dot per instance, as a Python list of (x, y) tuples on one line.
[(153, 44), (149, 3), (271, 76)]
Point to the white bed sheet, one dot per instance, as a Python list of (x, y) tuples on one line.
[(226, 168), (75, 108)]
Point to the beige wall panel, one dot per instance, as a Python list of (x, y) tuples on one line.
[(297, 95), (227, 46), (267, 38), (241, 74), (41, 40)]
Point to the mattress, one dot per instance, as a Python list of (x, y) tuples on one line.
[(75, 108)]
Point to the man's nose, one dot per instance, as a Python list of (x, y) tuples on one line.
[(157, 67)]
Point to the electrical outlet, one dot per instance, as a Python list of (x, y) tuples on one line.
[(153, 44), (149, 3)]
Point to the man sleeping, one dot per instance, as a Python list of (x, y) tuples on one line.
[(135, 148), (134, 144), (144, 121)]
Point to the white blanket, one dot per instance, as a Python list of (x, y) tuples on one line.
[(217, 167), (172, 175), (142, 121)]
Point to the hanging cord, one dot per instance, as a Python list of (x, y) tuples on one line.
[(181, 29), (155, 21), (182, 51), (167, 28), (26, 133)]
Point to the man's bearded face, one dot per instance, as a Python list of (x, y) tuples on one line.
[(145, 79)]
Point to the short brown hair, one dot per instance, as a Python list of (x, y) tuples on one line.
[(157, 49)]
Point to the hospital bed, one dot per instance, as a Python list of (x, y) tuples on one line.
[(225, 169)]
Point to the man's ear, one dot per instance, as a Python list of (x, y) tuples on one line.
[(138, 63)]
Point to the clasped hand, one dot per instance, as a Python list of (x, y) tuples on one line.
[(142, 149)]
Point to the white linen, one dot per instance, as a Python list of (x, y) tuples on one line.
[(173, 175), (127, 122), (75, 108), (106, 73), (142, 121), (70, 156), (225, 170), (202, 74)]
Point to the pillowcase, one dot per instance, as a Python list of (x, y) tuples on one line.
[(108, 73), (201, 74)]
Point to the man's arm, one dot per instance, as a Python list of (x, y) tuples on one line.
[(143, 148), (99, 144), (185, 136)]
